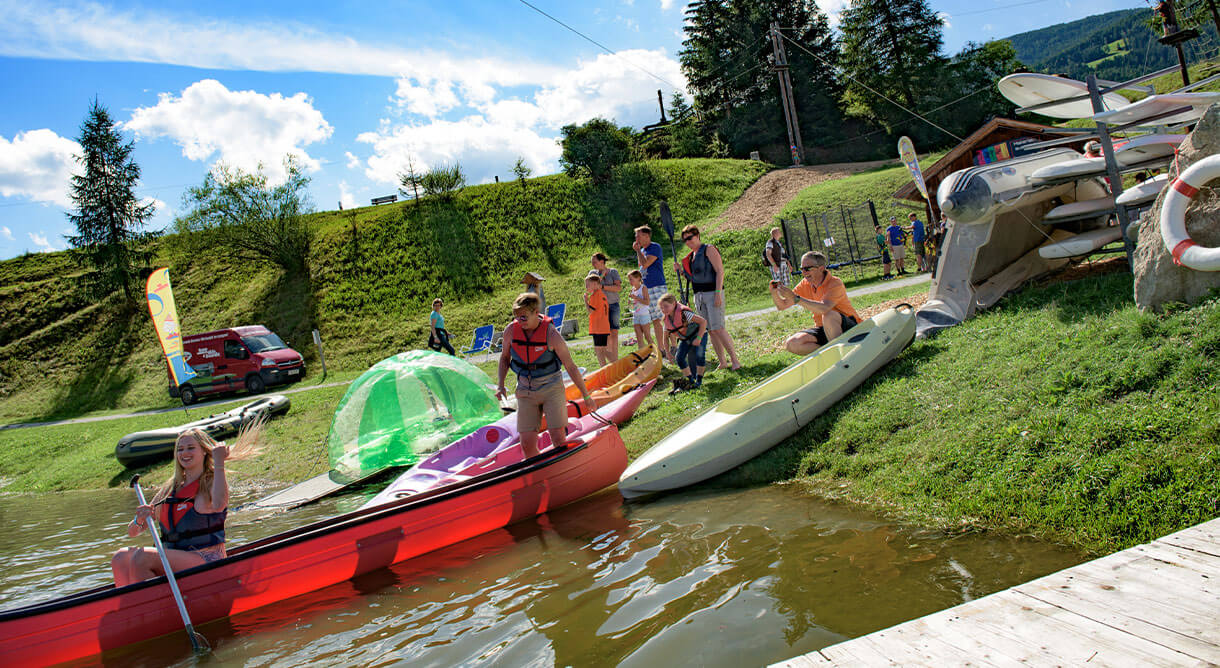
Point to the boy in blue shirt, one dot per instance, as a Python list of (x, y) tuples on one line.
[(897, 244)]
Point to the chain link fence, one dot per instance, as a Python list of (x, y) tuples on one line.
[(845, 236)]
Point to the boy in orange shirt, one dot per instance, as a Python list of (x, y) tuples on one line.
[(599, 317), (821, 294)]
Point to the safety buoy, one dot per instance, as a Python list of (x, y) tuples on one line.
[(1178, 195)]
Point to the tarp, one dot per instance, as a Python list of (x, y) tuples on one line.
[(165, 319), (406, 406)]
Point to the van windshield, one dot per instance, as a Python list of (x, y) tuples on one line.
[(261, 343)]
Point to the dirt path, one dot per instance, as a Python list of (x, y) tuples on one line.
[(763, 201)]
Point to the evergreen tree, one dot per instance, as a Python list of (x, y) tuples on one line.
[(891, 48), (108, 216), (725, 60)]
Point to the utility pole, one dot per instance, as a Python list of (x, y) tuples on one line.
[(779, 65)]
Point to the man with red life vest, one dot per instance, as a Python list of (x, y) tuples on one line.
[(536, 352)]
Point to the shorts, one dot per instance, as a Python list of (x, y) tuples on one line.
[(533, 404), (615, 315), (600, 340), (900, 252), (641, 317), (819, 334), (919, 248), (885, 257), (705, 305), (780, 273), (210, 553), (654, 301)]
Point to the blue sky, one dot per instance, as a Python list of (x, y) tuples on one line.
[(350, 88)]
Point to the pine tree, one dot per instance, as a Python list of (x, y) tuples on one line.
[(890, 48), (108, 216)]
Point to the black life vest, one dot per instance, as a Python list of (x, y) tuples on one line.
[(195, 529), (700, 270), (529, 354)]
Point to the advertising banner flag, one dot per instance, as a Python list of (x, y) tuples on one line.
[(165, 320), (906, 153)]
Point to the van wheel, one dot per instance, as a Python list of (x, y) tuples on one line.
[(255, 384), (187, 394)]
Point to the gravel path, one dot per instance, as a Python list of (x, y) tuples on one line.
[(763, 201)]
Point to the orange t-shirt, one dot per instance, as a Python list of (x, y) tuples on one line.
[(831, 289), (599, 313)]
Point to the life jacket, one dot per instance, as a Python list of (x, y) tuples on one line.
[(529, 354), (700, 270), (675, 323), (192, 529)]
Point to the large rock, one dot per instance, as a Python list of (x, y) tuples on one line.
[(1157, 279)]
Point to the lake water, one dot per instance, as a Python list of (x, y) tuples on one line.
[(712, 578)]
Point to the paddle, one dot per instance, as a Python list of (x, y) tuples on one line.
[(198, 643), (667, 220)]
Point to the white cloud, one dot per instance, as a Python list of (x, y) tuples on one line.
[(7, 233), (832, 8), (352, 161), (987, 27), (666, 5), (42, 243), (38, 165), (244, 127), (75, 30), (346, 199), (610, 86), (945, 19), (483, 149)]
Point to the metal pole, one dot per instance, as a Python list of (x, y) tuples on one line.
[(783, 225), (1116, 179), (808, 236), (317, 341)]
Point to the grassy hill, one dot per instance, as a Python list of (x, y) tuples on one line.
[(374, 273)]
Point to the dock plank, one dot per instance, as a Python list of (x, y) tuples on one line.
[(1203, 538)]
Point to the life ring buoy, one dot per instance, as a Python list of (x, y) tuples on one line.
[(1178, 196)]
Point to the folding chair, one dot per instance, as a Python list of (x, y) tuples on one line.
[(556, 313), (481, 342)]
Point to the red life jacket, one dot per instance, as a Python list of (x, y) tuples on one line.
[(529, 354), (182, 527), (676, 324)]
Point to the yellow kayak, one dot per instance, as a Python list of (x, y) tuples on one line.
[(747, 424), (617, 378)]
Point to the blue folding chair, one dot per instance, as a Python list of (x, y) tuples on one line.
[(481, 342), (556, 312)]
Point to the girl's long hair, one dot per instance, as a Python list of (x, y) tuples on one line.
[(246, 445)]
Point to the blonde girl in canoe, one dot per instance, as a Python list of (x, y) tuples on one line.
[(190, 509)]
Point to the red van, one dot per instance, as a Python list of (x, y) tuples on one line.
[(250, 357)]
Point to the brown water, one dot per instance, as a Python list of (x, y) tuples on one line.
[(729, 578)]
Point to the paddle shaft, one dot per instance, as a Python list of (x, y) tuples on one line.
[(169, 574)]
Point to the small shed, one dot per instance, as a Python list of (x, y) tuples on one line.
[(998, 139)]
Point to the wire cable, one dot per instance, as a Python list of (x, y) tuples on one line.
[(865, 87), (600, 45)]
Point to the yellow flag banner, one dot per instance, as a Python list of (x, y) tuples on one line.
[(165, 320), (906, 153)]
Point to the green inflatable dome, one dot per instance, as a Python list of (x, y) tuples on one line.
[(406, 406)]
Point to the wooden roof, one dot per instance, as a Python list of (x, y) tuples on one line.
[(992, 132)]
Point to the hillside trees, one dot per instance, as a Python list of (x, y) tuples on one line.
[(108, 216), (594, 149), (891, 49), (242, 212), (725, 59)]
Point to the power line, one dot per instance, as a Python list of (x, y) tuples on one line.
[(865, 87), (603, 47), (995, 9)]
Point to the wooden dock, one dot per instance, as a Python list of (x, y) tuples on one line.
[(1156, 604)]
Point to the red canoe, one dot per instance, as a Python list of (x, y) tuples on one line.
[(311, 557)]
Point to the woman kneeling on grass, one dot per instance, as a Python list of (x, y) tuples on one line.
[(690, 329), (191, 507)]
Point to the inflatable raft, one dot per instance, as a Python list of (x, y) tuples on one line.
[(146, 447)]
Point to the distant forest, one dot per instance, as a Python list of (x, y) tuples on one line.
[(1116, 45)]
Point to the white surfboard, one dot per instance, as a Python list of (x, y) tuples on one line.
[(1149, 107), (1027, 89), (1089, 208), (1081, 244), (1143, 193), (1143, 151)]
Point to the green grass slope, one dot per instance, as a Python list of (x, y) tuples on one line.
[(374, 273)]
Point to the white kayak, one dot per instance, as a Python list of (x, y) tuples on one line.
[(1143, 193), (1089, 208), (1135, 154), (1081, 244), (747, 424), (1026, 89), (1145, 112)]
